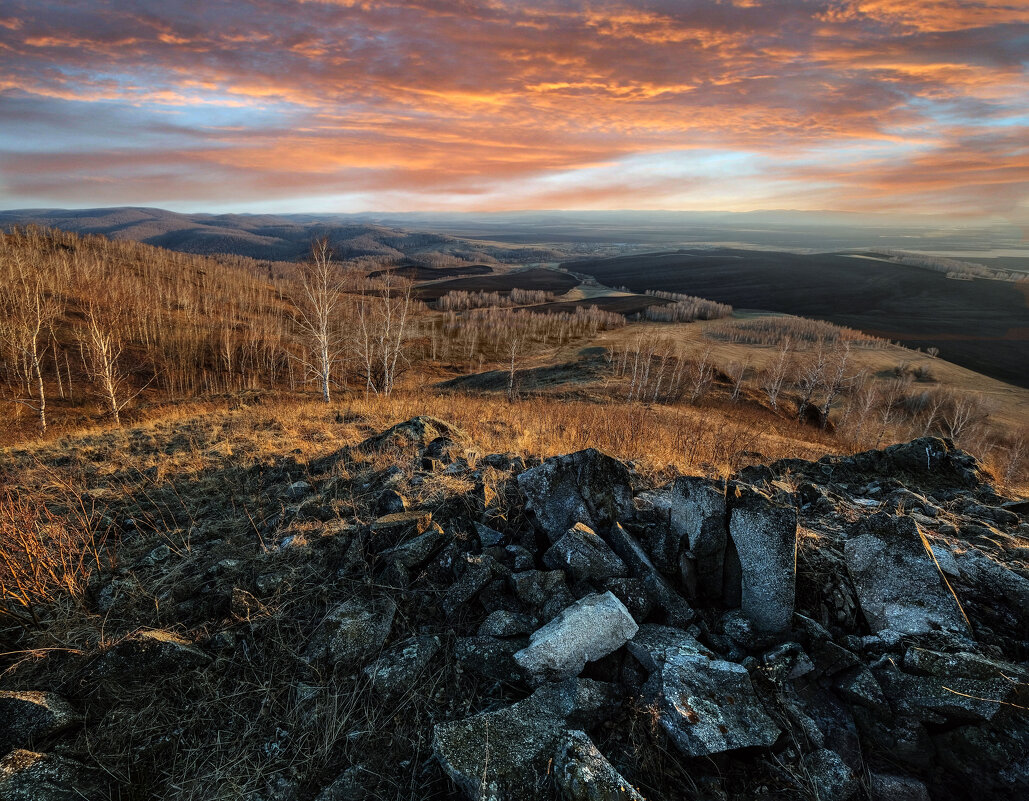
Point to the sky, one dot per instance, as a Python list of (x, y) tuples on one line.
[(896, 106)]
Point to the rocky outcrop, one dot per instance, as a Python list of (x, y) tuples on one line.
[(587, 487), (851, 628)]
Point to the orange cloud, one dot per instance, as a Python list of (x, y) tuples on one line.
[(490, 99)]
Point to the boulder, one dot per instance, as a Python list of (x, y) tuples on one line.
[(708, 706), (698, 519), (413, 434), (589, 629), (353, 631), (31, 776), (898, 584), (28, 718), (582, 773), (488, 537), (586, 487), (390, 502), (397, 668), (584, 556), (507, 755), (478, 571), (764, 534)]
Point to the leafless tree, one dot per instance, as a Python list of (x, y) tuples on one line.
[(30, 311), (736, 372), (835, 377), (102, 348), (318, 313), (778, 372), (964, 414), (811, 376)]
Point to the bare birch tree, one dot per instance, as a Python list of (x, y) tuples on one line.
[(318, 313)]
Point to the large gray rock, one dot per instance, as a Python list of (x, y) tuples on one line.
[(584, 556), (698, 518), (764, 534), (29, 718), (586, 487), (30, 776), (582, 773), (898, 584), (397, 668), (589, 629), (507, 755), (708, 706), (353, 631)]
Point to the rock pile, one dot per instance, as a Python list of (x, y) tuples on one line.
[(851, 628)]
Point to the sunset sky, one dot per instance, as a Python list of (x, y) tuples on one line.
[(904, 106)]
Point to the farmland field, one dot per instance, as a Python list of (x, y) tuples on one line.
[(980, 324)]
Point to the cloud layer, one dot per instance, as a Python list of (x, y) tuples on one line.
[(901, 105)]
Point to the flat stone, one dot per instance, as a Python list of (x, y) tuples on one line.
[(764, 534), (582, 773), (507, 755), (584, 556), (932, 698), (27, 718), (708, 706), (589, 629), (353, 631), (587, 487), (698, 518), (898, 584), (397, 668), (652, 643)]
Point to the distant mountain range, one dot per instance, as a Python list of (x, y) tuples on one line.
[(528, 236)]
